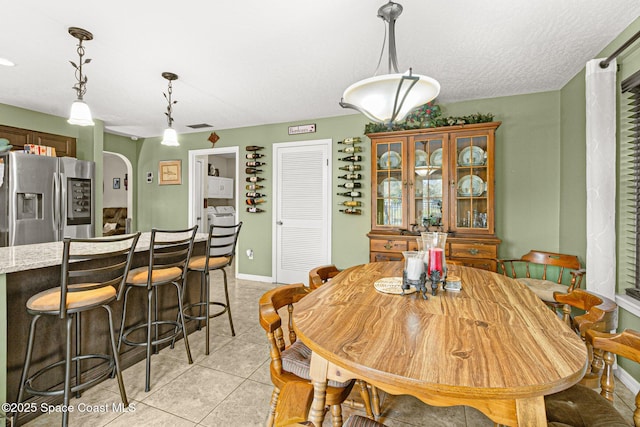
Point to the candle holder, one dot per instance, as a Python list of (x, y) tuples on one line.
[(414, 272), (434, 244)]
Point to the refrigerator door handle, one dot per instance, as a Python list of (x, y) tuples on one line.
[(56, 206), (63, 205)]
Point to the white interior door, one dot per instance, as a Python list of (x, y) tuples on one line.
[(302, 212), (198, 196)]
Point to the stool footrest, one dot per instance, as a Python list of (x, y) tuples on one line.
[(78, 387), (176, 325), (203, 317)]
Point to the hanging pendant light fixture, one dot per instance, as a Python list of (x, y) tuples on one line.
[(390, 97), (80, 113), (170, 136)]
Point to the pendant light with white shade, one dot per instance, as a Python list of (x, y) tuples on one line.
[(388, 98), (170, 137), (80, 113)]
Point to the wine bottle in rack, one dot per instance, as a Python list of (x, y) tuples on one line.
[(352, 149), (254, 179), (351, 211), (350, 141), (350, 185), (255, 164), (351, 194), (254, 194), (255, 201), (253, 187), (351, 176), (350, 168), (253, 170), (253, 148), (254, 209), (253, 156), (354, 158), (351, 203)]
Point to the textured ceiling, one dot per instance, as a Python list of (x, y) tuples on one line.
[(251, 62)]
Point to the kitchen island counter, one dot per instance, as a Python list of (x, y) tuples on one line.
[(40, 255)]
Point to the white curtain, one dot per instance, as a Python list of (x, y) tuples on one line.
[(601, 177)]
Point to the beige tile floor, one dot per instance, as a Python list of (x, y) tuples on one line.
[(231, 386)]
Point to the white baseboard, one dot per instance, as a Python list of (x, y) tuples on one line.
[(255, 278), (626, 379)]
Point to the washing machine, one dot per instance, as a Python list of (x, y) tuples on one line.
[(221, 215)]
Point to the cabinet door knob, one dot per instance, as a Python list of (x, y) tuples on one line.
[(388, 245), (474, 251)]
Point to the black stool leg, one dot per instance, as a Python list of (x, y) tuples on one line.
[(147, 386), (67, 370), (116, 356), (78, 326), (124, 315), (205, 279), (184, 328), (27, 363), (226, 294)]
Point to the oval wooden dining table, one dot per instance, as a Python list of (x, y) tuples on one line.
[(493, 345)]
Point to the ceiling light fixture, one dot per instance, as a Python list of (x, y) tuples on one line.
[(388, 98), (170, 136), (80, 113)]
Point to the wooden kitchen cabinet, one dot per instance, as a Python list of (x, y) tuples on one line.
[(65, 146), (437, 179)]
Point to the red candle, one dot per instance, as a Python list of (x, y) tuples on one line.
[(436, 255)]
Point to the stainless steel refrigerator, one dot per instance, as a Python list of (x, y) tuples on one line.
[(44, 199)]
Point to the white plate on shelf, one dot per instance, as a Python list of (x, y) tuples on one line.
[(421, 158), (390, 160), (472, 156), (390, 187), (471, 185), (436, 158)]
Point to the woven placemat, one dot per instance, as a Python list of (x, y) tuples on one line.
[(391, 285)]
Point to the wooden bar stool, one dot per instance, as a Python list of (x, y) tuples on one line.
[(90, 272), (169, 254), (221, 245)]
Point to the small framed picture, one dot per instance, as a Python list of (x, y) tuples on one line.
[(169, 172), (116, 183)]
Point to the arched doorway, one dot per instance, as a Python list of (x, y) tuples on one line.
[(118, 183)]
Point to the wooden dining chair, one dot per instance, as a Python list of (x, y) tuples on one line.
[(582, 406), (317, 277), (582, 311), (294, 404), (545, 273), (292, 362)]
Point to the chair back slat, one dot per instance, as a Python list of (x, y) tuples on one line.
[(110, 259), (222, 241), (170, 248)]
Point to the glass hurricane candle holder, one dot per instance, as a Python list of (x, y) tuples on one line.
[(414, 272), (434, 244)]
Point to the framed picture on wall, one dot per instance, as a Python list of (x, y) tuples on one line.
[(116, 183), (170, 172)]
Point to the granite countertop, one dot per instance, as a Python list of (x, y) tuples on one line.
[(29, 257)]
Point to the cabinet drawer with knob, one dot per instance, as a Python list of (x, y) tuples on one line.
[(470, 250), (388, 245)]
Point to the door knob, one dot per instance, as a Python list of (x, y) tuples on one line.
[(279, 222)]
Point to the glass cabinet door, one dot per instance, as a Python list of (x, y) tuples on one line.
[(388, 184), (427, 186), (473, 184)]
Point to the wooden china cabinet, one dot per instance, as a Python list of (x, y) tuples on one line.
[(436, 179)]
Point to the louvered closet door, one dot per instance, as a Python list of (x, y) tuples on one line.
[(302, 228)]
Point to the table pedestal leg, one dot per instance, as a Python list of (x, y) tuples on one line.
[(531, 412), (318, 371)]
